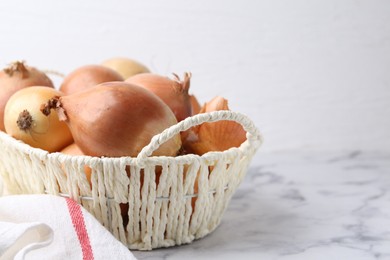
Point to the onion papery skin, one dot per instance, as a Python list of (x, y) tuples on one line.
[(195, 105), (213, 137), (125, 67), (86, 77), (24, 121), (117, 119), (174, 92)]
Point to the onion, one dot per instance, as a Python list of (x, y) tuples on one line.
[(115, 119), (195, 106), (173, 92), (88, 76), (125, 67), (24, 121), (15, 77), (73, 149), (216, 136)]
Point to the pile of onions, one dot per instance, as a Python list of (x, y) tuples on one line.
[(115, 119), (88, 76), (106, 115), (174, 92), (216, 136), (15, 77), (24, 121), (125, 67)]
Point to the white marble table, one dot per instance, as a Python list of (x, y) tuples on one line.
[(302, 206)]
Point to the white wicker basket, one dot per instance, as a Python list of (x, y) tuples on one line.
[(159, 215)]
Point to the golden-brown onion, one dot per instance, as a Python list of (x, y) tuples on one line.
[(88, 76), (116, 119), (195, 106), (24, 121), (174, 92)]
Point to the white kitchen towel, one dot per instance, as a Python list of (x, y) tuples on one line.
[(52, 227), (18, 239)]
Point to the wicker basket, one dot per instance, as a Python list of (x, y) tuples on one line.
[(186, 203)]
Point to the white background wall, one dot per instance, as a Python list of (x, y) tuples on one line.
[(311, 74)]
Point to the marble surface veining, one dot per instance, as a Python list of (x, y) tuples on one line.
[(320, 205)]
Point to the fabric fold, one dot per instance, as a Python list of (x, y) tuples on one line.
[(53, 227)]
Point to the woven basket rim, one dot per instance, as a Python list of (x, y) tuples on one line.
[(245, 148)]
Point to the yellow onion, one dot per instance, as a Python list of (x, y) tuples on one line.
[(216, 136), (174, 92), (24, 121), (115, 119), (18, 76), (125, 67), (88, 76)]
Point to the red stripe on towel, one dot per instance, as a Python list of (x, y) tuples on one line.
[(79, 225)]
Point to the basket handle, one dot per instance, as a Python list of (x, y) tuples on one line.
[(253, 134)]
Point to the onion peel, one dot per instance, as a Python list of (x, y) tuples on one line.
[(217, 136)]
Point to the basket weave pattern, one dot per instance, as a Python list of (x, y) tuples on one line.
[(166, 200)]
